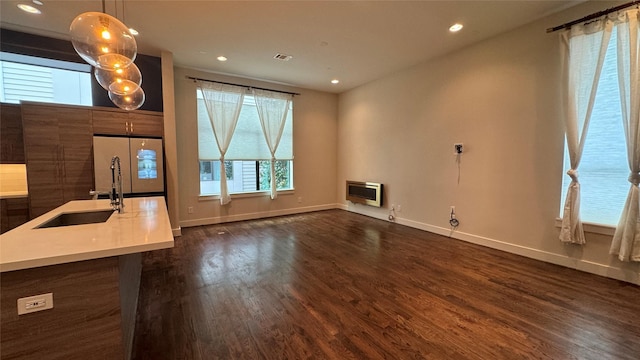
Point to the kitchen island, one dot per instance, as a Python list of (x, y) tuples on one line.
[(93, 272)]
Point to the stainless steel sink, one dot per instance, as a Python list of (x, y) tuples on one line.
[(77, 218)]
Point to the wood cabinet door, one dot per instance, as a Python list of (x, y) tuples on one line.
[(39, 125), (15, 212), (77, 180), (59, 155), (146, 124), (75, 135), (44, 176), (11, 139), (43, 155), (76, 139), (110, 122)]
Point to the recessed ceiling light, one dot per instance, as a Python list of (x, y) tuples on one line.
[(37, 2), (30, 9), (335, 81), (133, 31), (283, 57), (456, 27), (222, 58)]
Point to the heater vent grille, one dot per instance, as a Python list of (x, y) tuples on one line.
[(367, 193)]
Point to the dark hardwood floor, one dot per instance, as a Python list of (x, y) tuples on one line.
[(337, 285)]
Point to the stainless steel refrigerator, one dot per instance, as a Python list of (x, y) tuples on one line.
[(141, 163)]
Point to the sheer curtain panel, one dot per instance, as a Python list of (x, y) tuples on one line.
[(583, 49), (272, 111), (223, 103), (626, 239)]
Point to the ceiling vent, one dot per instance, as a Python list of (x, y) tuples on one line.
[(282, 57)]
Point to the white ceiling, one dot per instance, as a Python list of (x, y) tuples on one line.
[(354, 41)]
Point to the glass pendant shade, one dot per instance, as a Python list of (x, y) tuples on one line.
[(121, 81), (130, 101), (103, 41)]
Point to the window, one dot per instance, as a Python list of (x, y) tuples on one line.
[(603, 170), (247, 167), (44, 80)]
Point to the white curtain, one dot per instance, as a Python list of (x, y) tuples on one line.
[(223, 103), (272, 111), (626, 239), (583, 49)]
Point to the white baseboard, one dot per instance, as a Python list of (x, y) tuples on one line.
[(255, 215), (626, 275), (177, 231)]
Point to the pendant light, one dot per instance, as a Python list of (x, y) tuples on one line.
[(103, 41), (108, 45), (130, 101), (122, 81)]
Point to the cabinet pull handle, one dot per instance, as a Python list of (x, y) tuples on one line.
[(131, 127), (126, 127)]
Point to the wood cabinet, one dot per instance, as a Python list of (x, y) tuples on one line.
[(132, 123), (58, 152), (11, 143), (14, 212)]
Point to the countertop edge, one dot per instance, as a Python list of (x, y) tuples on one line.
[(98, 254)]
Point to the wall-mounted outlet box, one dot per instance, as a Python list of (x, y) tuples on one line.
[(190, 210), (35, 303), (458, 148)]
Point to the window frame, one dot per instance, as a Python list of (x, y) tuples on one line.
[(254, 193)]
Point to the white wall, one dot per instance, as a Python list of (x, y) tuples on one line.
[(501, 99), (170, 147), (315, 147)]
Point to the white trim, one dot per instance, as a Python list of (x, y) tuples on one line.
[(626, 275), (246, 194), (177, 231), (592, 228), (255, 215)]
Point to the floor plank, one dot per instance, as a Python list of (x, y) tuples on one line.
[(338, 285)]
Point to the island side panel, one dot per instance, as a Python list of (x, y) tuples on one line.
[(130, 272), (85, 322)]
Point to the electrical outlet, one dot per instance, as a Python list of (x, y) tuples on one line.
[(399, 208), (458, 148), (35, 303), (299, 199), (190, 210)]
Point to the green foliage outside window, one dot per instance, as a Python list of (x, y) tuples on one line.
[(282, 174)]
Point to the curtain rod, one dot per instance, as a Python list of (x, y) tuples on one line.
[(593, 16), (248, 87)]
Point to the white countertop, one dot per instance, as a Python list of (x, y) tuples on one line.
[(143, 226)]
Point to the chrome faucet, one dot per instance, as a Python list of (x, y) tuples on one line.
[(117, 200)]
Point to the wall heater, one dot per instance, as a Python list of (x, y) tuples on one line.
[(367, 193)]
